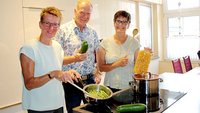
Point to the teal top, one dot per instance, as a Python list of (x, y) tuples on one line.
[(46, 58)]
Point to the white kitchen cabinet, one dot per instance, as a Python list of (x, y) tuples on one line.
[(32, 9), (19, 22), (62, 4), (151, 1), (11, 38)]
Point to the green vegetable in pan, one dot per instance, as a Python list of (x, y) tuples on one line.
[(98, 94)]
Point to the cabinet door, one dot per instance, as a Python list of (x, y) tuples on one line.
[(31, 23), (61, 4), (32, 10), (11, 39)]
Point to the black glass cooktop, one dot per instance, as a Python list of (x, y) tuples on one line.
[(155, 104)]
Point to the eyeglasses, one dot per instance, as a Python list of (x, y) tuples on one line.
[(49, 24), (122, 22)]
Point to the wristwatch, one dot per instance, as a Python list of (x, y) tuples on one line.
[(49, 76)]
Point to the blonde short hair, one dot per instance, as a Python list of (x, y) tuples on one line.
[(50, 10)]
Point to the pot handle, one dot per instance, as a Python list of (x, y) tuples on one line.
[(149, 75), (134, 85), (81, 83), (161, 80)]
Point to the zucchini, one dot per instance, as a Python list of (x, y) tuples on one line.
[(139, 107), (84, 47)]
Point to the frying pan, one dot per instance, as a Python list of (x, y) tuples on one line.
[(90, 98)]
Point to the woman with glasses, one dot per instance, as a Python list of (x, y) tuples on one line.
[(41, 63), (113, 55)]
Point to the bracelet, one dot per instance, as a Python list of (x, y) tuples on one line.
[(49, 76)]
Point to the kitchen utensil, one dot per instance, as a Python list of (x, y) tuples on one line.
[(80, 83), (84, 91), (146, 84), (79, 88), (124, 96), (97, 87), (152, 102), (135, 34), (118, 92)]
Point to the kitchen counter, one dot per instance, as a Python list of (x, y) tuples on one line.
[(188, 82)]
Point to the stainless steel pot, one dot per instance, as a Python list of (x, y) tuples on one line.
[(146, 84), (152, 102)]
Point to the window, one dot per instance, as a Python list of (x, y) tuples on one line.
[(145, 22), (183, 28), (130, 7), (176, 4)]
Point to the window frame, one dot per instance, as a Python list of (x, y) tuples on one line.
[(154, 26), (151, 23), (175, 13)]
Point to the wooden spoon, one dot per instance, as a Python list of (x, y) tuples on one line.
[(135, 34)]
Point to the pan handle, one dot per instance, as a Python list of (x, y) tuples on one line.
[(89, 95), (161, 80), (115, 93), (81, 83), (79, 88)]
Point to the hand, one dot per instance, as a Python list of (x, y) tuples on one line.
[(97, 76), (122, 61), (97, 79), (148, 49), (57, 74), (67, 77), (80, 57), (61, 76), (74, 74)]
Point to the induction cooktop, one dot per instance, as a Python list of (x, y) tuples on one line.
[(155, 104)]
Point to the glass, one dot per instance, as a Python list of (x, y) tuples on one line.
[(49, 24), (82, 13), (122, 22)]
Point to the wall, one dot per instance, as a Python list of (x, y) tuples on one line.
[(166, 66)]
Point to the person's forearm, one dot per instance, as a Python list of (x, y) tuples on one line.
[(107, 67), (69, 59), (36, 82)]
